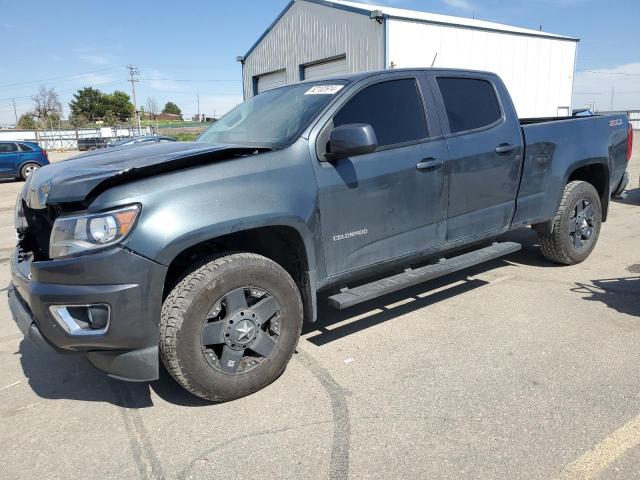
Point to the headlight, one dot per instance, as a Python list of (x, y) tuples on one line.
[(81, 233)]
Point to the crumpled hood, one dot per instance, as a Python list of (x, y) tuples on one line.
[(77, 179)]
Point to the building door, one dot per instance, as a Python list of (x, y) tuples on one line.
[(271, 80), (329, 68)]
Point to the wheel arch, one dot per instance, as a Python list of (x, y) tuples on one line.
[(597, 174), (283, 244)]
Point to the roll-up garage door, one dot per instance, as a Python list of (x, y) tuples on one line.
[(325, 69), (272, 80)]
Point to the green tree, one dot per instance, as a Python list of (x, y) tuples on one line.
[(118, 103), (26, 122), (110, 118), (78, 120), (89, 103), (171, 108)]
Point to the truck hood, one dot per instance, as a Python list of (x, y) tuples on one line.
[(82, 178)]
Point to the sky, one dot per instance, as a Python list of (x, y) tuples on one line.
[(185, 50)]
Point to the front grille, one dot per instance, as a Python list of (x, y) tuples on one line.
[(33, 240)]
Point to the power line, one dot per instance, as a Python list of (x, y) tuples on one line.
[(609, 73), (192, 80), (8, 99), (51, 79), (605, 93)]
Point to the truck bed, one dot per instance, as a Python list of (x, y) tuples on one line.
[(557, 146)]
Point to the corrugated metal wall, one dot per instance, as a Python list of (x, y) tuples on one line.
[(537, 71), (308, 33)]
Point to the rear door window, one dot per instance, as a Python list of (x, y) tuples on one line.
[(470, 103), (8, 147), (25, 148), (394, 109)]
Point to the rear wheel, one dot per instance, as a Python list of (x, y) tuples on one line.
[(230, 327), (576, 226), (27, 170)]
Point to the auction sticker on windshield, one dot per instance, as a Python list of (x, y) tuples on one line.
[(324, 90)]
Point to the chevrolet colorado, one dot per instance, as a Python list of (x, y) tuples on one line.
[(207, 256)]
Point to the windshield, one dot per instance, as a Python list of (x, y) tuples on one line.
[(273, 118)]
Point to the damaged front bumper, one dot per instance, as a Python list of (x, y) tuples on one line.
[(129, 285)]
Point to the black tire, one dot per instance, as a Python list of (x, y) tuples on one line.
[(27, 169), (191, 302), (560, 246)]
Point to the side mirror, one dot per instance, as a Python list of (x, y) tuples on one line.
[(351, 140)]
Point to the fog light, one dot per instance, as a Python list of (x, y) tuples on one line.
[(82, 320)]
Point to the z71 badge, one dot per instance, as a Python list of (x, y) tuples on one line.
[(615, 123)]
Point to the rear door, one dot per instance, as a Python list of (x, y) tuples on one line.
[(485, 146), (380, 206), (9, 159)]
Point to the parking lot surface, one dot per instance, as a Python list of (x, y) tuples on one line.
[(514, 369)]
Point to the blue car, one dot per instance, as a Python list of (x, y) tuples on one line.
[(21, 159)]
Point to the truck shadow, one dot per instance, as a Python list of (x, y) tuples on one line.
[(54, 376), (632, 197), (335, 324), (620, 294)]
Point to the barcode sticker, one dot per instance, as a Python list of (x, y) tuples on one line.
[(324, 90)]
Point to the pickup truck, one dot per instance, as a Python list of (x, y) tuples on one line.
[(208, 256)]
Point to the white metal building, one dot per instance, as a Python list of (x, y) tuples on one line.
[(312, 39)]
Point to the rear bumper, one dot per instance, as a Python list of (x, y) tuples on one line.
[(129, 284), (624, 181)]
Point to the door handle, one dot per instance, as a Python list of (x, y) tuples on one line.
[(429, 164), (505, 148)]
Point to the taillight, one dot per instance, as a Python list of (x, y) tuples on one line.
[(44, 153), (629, 142)]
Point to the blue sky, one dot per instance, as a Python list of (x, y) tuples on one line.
[(189, 47)]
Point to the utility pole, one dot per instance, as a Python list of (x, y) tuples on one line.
[(133, 71), (198, 101), (15, 112), (613, 94)]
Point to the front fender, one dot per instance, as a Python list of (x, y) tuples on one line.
[(183, 208)]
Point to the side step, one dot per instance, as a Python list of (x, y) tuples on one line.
[(352, 296)]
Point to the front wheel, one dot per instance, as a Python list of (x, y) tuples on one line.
[(576, 226), (230, 326)]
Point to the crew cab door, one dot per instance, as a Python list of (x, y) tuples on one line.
[(485, 145), (392, 202)]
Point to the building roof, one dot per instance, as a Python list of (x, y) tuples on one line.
[(426, 17), (415, 16)]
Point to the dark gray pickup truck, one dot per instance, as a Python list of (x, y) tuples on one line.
[(207, 256)]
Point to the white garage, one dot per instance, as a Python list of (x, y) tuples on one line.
[(312, 39)]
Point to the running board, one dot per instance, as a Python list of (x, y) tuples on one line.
[(352, 296)]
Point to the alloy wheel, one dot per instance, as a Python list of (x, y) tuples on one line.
[(241, 330)]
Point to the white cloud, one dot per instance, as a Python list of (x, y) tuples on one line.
[(94, 59), (594, 85), (459, 4), (156, 80)]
